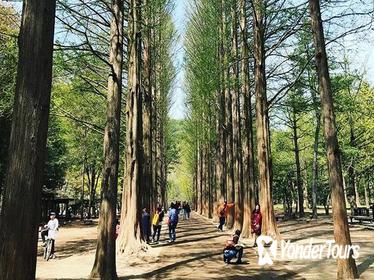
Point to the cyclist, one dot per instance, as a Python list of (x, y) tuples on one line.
[(52, 227)]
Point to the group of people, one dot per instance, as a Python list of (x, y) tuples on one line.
[(232, 247), (153, 236)]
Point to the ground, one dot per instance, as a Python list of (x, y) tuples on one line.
[(197, 254)]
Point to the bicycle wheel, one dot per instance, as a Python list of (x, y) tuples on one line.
[(48, 249), (45, 252)]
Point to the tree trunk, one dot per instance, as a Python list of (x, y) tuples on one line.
[(105, 258), (366, 189), (130, 238), (238, 215), (91, 185), (221, 118), (147, 111), (27, 146), (305, 185), (201, 179), (269, 226), (299, 185), (82, 190), (248, 154), (315, 166), (229, 148), (346, 267)]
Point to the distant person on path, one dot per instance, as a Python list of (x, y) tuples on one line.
[(52, 227), (188, 209), (118, 227), (233, 249), (173, 221), (256, 222), (178, 207), (223, 214), (146, 224), (157, 224), (184, 206)]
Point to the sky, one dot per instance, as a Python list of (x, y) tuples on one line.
[(178, 108)]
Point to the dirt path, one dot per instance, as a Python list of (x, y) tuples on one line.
[(197, 254)]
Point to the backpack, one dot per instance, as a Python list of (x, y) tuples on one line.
[(155, 219)]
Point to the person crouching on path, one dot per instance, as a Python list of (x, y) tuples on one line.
[(233, 249), (223, 214), (256, 223), (157, 224)]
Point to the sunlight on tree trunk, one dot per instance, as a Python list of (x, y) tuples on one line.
[(105, 258), (130, 238), (269, 226), (25, 172), (346, 267)]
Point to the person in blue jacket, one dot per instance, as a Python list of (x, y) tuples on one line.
[(173, 221)]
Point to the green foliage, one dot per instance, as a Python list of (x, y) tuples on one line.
[(8, 69), (56, 161)]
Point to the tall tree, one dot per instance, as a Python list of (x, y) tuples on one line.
[(269, 226), (230, 183), (131, 237), (105, 258), (236, 120), (24, 177), (346, 267), (220, 119), (147, 108), (248, 152)]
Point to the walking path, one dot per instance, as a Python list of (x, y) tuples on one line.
[(197, 254)]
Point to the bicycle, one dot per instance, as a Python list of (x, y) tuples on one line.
[(48, 244), (48, 249)]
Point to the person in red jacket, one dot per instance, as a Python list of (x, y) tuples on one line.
[(223, 214), (256, 222)]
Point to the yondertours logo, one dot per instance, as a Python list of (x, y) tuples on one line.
[(268, 250)]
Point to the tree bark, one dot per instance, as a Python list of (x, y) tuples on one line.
[(248, 153), (299, 185), (130, 238), (147, 110), (238, 215), (229, 142), (105, 257), (221, 118), (269, 226), (315, 166), (27, 146), (346, 267)]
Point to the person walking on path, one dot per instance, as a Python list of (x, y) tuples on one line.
[(184, 206), (188, 210), (146, 225), (157, 224), (256, 223), (223, 214), (173, 221), (52, 227)]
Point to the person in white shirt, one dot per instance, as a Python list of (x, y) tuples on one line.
[(52, 230)]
